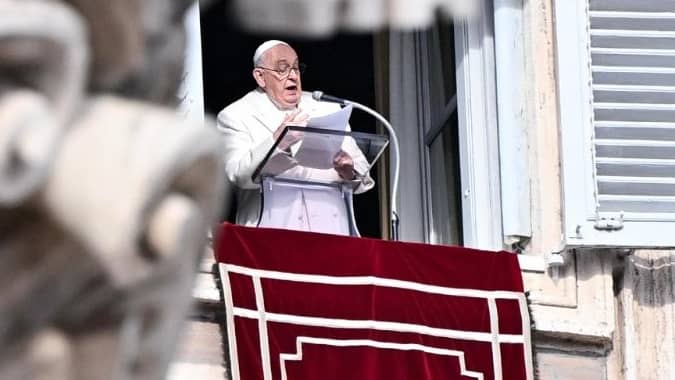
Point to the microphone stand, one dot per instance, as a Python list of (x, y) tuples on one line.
[(394, 227)]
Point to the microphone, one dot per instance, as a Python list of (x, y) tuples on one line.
[(394, 157), (320, 96)]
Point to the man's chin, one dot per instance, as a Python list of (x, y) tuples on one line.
[(292, 100)]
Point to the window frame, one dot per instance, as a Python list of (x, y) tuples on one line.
[(478, 130)]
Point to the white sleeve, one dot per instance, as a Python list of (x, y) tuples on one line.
[(242, 154)]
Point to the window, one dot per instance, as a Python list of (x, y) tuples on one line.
[(616, 75), (441, 101)]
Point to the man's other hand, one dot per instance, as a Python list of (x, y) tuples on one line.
[(344, 165)]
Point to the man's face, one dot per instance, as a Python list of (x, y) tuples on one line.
[(284, 90)]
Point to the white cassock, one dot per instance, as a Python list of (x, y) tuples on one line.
[(248, 125)]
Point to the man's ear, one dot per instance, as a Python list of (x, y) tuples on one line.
[(259, 78)]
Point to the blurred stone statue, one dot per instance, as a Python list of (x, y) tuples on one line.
[(106, 193)]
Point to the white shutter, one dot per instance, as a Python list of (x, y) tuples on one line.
[(619, 175)]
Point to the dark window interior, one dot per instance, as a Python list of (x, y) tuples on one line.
[(341, 65)]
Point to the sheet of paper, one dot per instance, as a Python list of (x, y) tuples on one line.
[(317, 150)]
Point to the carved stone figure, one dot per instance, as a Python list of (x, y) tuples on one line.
[(106, 193)]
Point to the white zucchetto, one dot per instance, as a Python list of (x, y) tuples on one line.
[(265, 46)]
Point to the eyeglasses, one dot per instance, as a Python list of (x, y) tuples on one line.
[(285, 70)]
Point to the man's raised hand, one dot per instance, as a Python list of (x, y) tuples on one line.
[(295, 118)]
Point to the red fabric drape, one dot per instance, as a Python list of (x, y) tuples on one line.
[(314, 306)]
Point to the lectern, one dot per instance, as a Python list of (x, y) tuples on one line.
[(299, 188)]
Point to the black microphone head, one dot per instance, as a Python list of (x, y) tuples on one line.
[(316, 95)]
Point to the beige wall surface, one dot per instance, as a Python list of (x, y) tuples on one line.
[(604, 314)]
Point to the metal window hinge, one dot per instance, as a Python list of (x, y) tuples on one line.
[(609, 223)]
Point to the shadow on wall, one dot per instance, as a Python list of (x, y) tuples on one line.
[(649, 275)]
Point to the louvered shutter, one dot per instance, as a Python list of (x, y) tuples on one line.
[(618, 126)]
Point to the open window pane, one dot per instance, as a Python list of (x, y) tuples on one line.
[(444, 181)]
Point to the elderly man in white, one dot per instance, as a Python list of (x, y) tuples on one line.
[(253, 123)]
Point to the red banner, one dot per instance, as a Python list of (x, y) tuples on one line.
[(314, 306)]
